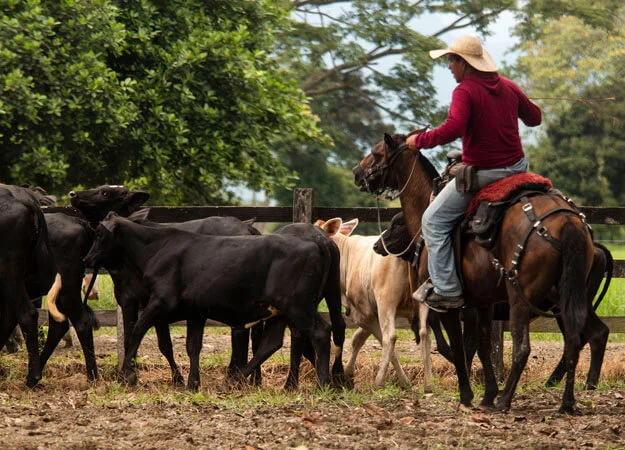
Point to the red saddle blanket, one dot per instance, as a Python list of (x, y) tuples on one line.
[(505, 188)]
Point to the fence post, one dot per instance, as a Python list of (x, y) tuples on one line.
[(496, 338), (121, 353), (303, 199)]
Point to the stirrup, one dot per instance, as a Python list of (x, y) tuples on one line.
[(423, 291)]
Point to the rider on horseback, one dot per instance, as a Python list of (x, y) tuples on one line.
[(484, 112)]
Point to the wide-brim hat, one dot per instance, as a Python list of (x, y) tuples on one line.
[(470, 49)]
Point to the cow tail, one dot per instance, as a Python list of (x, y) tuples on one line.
[(51, 298)]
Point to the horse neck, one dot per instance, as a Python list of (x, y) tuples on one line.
[(415, 198)]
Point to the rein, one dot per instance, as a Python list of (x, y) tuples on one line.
[(384, 170)]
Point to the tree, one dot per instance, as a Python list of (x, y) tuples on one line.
[(575, 68), (180, 97), (369, 60)]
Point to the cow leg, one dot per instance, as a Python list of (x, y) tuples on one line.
[(148, 319), (195, 334), (163, 337), (426, 345), (56, 331), (256, 334), (27, 318), (358, 340), (239, 339), (14, 341), (320, 338), (388, 337), (270, 342), (298, 342)]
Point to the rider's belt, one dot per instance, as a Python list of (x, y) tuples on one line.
[(466, 179)]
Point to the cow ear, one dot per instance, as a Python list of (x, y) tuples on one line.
[(249, 222), (347, 228), (331, 226), (139, 216), (136, 199)]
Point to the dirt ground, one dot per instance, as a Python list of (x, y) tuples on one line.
[(68, 412)]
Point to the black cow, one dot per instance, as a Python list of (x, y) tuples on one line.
[(331, 292), (235, 280), (27, 269), (131, 292), (70, 238)]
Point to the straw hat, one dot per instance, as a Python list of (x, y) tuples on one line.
[(470, 49)]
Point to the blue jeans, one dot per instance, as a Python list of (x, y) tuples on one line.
[(440, 218)]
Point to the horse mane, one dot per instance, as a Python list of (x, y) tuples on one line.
[(429, 168)]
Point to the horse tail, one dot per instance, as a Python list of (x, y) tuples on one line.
[(608, 271), (573, 282)]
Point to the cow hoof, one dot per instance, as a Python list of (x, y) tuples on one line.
[(31, 382), (130, 379), (177, 380), (570, 410), (503, 406), (590, 386)]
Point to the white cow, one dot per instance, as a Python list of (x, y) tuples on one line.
[(375, 291)]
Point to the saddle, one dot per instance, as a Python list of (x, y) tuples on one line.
[(484, 214)]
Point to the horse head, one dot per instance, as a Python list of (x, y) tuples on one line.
[(372, 173)]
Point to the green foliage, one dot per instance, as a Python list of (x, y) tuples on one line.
[(181, 97), (574, 68)]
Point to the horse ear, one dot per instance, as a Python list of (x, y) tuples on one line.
[(388, 140)]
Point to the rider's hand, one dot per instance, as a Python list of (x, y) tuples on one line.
[(411, 142)]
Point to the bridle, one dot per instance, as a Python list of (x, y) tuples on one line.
[(374, 172)]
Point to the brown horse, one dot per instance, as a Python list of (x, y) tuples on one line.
[(561, 263)]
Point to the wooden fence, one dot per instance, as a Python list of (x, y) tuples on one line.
[(304, 210)]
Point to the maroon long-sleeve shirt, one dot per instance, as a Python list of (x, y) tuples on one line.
[(484, 112)]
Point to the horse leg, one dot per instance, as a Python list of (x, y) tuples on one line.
[(519, 328), (441, 344), (560, 370), (358, 340), (597, 334), (451, 322), (470, 335), (484, 318)]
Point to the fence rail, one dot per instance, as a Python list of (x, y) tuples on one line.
[(303, 210)]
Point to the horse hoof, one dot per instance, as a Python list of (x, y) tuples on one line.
[(552, 382), (193, 386), (503, 407)]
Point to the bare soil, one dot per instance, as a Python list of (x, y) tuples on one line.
[(68, 412)]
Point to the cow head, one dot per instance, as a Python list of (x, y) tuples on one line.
[(43, 197), (396, 239), (105, 248), (96, 203), (336, 226)]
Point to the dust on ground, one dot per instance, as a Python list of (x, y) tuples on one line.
[(68, 412)]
